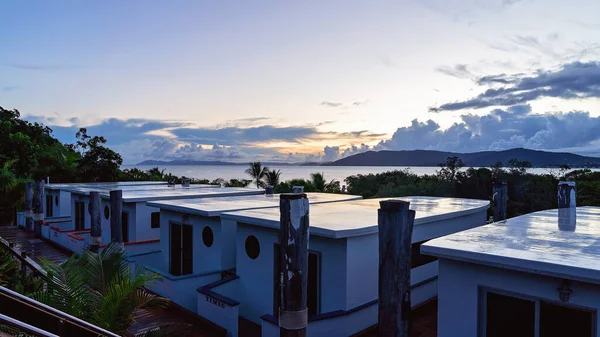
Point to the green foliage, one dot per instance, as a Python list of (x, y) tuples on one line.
[(449, 168), (272, 177), (98, 288), (257, 172), (97, 162), (526, 192)]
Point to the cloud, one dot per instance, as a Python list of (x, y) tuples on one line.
[(39, 67), (500, 129), (9, 88), (355, 104), (331, 104), (576, 80), (387, 62), (458, 71)]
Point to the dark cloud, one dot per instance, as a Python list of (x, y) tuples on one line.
[(501, 129), (331, 104), (361, 103), (458, 71), (573, 81)]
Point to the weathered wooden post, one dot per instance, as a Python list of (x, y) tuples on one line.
[(293, 240), (96, 226), (395, 220), (38, 207), (116, 220), (567, 205), (28, 206), (500, 201)]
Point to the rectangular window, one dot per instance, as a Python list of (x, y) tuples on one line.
[(509, 316), (155, 220), (49, 209), (559, 320), (125, 226), (181, 249), (416, 258), (313, 286), (520, 317), (79, 215)]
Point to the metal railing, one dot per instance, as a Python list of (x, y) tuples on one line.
[(25, 313)]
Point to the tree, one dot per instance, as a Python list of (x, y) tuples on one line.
[(97, 163), (319, 183), (497, 171), (272, 177), (257, 172), (450, 167), (98, 288), (519, 167)]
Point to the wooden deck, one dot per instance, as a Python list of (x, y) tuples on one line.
[(35, 247), (144, 319)]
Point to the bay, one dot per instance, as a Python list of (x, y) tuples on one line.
[(227, 172)]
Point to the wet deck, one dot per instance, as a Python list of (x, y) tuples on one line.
[(37, 248)]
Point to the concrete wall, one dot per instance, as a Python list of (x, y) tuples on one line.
[(219, 312), (64, 204), (362, 265), (216, 257), (105, 222), (338, 326), (256, 296), (182, 289), (143, 225), (459, 288)]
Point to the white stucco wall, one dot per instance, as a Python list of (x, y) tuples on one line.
[(459, 287), (206, 259), (64, 203), (362, 265), (143, 225), (256, 276)]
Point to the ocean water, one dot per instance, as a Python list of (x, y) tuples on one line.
[(227, 172)]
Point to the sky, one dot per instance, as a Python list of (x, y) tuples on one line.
[(306, 80)]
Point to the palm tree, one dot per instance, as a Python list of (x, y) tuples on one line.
[(321, 185), (272, 177), (257, 172), (98, 288)]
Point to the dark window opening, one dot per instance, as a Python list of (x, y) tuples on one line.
[(125, 226), (106, 212), (155, 220), (181, 249), (558, 320), (79, 215), (313, 285), (49, 207), (56, 200), (509, 316), (207, 236), (416, 258), (252, 247)]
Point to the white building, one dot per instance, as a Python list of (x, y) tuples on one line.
[(58, 198), (140, 223), (342, 267), (532, 275), (196, 247)]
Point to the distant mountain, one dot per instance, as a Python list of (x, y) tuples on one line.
[(475, 159), (203, 162)]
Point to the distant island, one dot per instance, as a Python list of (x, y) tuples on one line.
[(410, 158)]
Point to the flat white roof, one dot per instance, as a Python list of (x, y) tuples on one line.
[(355, 218), (183, 193), (61, 186), (86, 189), (531, 243), (214, 207)]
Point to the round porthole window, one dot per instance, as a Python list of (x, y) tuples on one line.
[(56, 200), (252, 247), (207, 236), (106, 212)]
